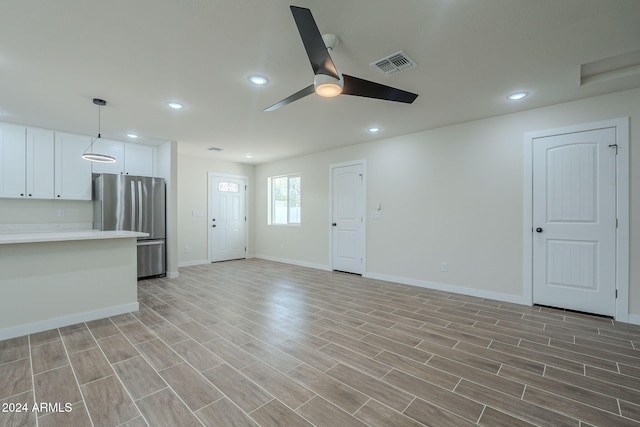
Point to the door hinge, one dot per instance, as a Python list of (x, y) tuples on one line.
[(245, 188), (361, 176), (616, 293), (616, 222), (245, 249), (614, 146)]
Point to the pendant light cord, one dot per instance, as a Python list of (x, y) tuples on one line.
[(93, 140)]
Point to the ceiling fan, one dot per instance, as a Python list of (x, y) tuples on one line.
[(328, 81)]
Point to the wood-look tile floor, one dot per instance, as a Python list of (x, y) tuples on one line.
[(253, 342)]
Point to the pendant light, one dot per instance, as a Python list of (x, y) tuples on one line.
[(88, 153)]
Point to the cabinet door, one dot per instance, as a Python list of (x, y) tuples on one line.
[(40, 160), (72, 172), (138, 159), (111, 148), (12, 163)]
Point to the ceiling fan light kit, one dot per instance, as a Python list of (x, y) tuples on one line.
[(88, 154), (328, 86), (328, 81)]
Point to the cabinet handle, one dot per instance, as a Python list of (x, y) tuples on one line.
[(21, 194), (58, 195), (29, 195)]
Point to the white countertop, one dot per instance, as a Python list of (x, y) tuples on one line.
[(61, 236)]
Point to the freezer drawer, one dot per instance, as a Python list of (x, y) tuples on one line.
[(151, 258)]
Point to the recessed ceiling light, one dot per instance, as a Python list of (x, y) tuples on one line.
[(517, 96), (374, 129), (132, 135), (258, 80), (248, 156), (175, 105)]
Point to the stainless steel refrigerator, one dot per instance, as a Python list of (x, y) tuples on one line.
[(134, 203)]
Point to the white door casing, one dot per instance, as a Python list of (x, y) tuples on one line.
[(347, 217), (227, 217), (576, 193)]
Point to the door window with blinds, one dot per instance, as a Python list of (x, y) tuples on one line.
[(284, 200)]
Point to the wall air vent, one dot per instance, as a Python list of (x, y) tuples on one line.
[(399, 61)]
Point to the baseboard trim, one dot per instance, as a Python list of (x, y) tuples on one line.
[(515, 299), (172, 274), (634, 318), (293, 262), (193, 262), (59, 322)]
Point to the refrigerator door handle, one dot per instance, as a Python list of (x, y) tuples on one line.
[(150, 242), (139, 195), (133, 205)]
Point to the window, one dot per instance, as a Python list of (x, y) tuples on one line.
[(228, 187), (284, 200)]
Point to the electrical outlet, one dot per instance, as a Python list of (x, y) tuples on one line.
[(444, 266), (61, 213), (187, 250)]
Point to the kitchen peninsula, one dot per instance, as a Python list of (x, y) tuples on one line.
[(55, 279)]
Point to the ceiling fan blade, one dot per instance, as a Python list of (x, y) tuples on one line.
[(317, 52), (300, 94), (360, 87)]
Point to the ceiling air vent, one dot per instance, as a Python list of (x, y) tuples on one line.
[(399, 61)]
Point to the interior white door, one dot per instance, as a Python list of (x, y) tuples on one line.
[(227, 218), (347, 218), (574, 221)]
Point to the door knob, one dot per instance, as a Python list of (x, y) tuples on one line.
[(539, 230), (213, 226), (333, 224)]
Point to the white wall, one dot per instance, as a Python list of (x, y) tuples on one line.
[(38, 214), (452, 194), (193, 175)]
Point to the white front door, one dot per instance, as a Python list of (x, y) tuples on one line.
[(227, 218), (574, 221), (347, 226)]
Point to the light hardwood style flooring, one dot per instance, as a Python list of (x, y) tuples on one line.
[(257, 343)]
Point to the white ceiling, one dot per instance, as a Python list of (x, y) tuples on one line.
[(56, 55)]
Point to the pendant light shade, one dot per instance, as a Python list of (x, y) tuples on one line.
[(88, 153)]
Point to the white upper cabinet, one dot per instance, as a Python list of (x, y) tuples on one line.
[(131, 159), (110, 148), (40, 161), (72, 172), (43, 164), (26, 169), (12, 160), (138, 159)]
